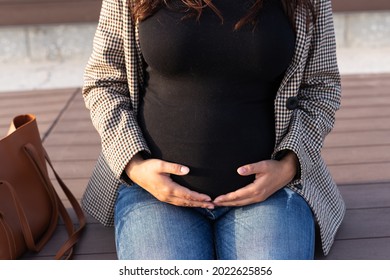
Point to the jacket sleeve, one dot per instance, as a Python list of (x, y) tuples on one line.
[(106, 89), (318, 96)]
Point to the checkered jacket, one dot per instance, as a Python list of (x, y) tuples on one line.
[(305, 108)]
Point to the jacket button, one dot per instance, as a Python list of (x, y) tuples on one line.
[(292, 103)]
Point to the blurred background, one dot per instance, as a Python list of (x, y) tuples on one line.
[(46, 43)]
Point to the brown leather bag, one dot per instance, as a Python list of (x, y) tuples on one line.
[(29, 205)]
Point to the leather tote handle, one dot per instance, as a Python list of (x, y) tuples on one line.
[(66, 249), (74, 235), (26, 230)]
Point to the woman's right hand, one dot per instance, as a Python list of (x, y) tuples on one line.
[(153, 175)]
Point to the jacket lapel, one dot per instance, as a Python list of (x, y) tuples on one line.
[(301, 30), (290, 84)]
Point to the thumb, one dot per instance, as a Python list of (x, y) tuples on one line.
[(174, 168), (250, 169)]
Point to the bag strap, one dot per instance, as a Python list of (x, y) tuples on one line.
[(74, 235), (9, 237), (26, 230), (66, 250)]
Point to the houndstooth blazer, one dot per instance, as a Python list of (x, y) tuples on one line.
[(305, 107)]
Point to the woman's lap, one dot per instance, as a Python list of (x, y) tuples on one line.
[(150, 229), (282, 227)]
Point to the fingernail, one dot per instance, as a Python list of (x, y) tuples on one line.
[(241, 170), (184, 169)]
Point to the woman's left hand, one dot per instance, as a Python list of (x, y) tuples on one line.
[(270, 176)]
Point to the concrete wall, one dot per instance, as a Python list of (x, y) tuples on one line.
[(362, 30), (363, 41), (46, 42), (46, 52), (74, 41), (44, 56)]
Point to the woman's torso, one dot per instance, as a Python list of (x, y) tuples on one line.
[(209, 95)]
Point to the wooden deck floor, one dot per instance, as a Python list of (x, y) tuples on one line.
[(357, 151)]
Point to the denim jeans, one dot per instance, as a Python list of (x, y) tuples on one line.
[(282, 227)]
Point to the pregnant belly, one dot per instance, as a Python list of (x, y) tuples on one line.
[(212, 144), (215, 172)]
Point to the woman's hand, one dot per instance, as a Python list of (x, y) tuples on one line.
[(154, 176), (270, 176)]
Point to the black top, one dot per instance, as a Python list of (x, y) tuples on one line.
[(208, 101)]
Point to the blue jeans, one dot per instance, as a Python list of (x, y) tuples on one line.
[(282, 227)]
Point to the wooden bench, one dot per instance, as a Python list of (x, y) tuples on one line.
[(22, 12), (357, 152)]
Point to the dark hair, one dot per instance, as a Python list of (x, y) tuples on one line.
[(144, 8)]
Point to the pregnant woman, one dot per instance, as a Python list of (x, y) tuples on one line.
[(212, 116)]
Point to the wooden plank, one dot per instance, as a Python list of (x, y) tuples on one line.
[(76, 186), (361, 173), (362, 124), (96, 243), (75, 115), (45, 104), (360, 196), (360, 5), (49, 12), (362, 82), (359, 138), (96, 239), (365, 91), (362, 112), (74, 153), (360, 249), (363, 78), (38, 105), (354, 155), (83, 138), (79, 103), (43, 116), (22, 94), (365, 223), (76, 119), (75, 125), (44, 113), (74, 169), (34, 99), (90, 220), (363, 101)]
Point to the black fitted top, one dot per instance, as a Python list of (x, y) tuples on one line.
[(209, 92)]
